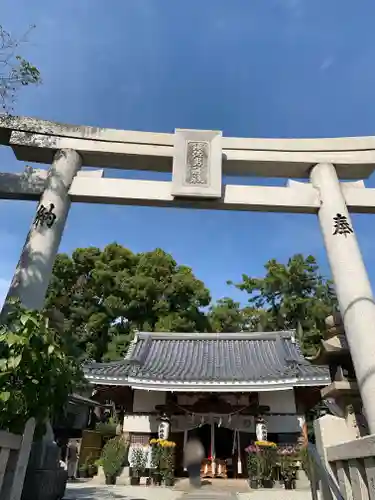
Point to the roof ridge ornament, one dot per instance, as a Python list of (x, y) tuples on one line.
[(133, 343)]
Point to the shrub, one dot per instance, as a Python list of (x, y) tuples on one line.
[(113, 456)]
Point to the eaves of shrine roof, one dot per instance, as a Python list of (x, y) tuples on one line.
[(211, 362)]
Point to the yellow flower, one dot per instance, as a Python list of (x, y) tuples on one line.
[(266, 444), (153, 441)]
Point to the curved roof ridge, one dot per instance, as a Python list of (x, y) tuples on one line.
[(285, 334)]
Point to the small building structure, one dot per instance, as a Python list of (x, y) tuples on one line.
[(215, 386)]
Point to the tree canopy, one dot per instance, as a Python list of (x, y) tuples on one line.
[(105, 295), (292, 296)]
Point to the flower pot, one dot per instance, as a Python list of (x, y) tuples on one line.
[(254, 484), (92, 471), (169, 481), (148, 481), (83, 473), (288, 484), (157, 479), (134, 481), (110, 479), (267, 483)]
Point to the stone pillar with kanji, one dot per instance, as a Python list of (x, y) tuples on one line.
[(355, 297), (34, 269)]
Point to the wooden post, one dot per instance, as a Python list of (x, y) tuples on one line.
[(22, 460)]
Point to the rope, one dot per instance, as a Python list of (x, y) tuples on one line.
[(269, 414)]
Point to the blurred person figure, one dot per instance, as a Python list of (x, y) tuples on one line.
[(193, 456), (72, 459)]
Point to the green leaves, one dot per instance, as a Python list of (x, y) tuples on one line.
[(292, 294), (15, 71), (106, 295), (37, 375), (4, 396), (13, 362), (226, 316)]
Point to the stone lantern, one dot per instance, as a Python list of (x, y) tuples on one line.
[(343, 391)]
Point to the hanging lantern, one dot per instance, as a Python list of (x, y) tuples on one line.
[(164, 427), (261, 430)]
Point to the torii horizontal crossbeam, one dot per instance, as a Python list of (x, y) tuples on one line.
[(37, 141), (90, 187)]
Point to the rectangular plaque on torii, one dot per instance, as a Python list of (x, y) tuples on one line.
[(197, 164)]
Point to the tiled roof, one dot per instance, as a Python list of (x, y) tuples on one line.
[(236, 359)]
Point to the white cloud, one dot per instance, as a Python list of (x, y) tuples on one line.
[(326, 64)]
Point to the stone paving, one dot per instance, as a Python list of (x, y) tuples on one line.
[(91, 491), (216, 485), (276, 494)]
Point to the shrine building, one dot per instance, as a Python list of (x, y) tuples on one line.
[(215, 385)]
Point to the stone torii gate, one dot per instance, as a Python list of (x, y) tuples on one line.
[(197, 160)]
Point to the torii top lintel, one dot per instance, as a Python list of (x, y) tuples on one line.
[(37, 140)]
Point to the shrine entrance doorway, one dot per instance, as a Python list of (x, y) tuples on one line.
[(223, 442), (222, 445), (203, 433)]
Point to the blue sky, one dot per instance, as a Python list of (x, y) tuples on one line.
[(259, 68)]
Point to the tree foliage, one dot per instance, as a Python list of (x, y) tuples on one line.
[(36, 373), (106, 295), (15, 71), (292, 295), (226, 316)]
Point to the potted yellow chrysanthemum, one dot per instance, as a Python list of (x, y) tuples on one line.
[(267, 460)]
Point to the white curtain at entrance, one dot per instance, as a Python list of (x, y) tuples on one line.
[(213, 453), (237, 445), (234, 424), (185, 441)]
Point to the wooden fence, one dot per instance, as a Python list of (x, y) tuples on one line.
[(353, 464), (14, 457)]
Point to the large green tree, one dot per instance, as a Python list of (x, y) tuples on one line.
[(292, 296), (104, 295), (227, 315)]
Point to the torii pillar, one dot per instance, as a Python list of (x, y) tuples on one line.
[(355, 297), (34, 269)]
